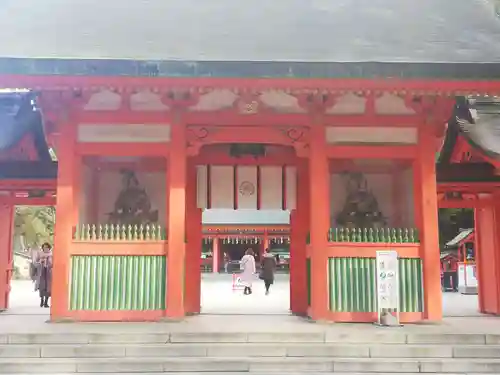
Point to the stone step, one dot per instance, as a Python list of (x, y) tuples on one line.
[(375, 337), (246, 372), (263, 365), (248, 350)]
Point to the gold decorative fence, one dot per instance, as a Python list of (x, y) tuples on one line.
[(116, 232), (373, 235)]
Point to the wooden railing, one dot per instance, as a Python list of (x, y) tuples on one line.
[(116, 232), (373, 235)]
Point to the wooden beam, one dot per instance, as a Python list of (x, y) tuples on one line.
[(247, 229), (461, 172), (469, 187), (142, 165), (371, 152), (122, 149), (25, 184), (125, 116), (222, 158), (232, 118), (373, 120), (466, 203), (26, 201)]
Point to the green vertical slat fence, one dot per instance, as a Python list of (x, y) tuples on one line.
[(411, 285), (101, 283), (352, 285)]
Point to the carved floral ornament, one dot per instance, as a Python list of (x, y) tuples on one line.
[(199, 136), (454, 196)]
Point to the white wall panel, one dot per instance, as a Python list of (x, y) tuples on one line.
[(85, 201), (202, 186), (222, 186), (271, 180), (291, 188)]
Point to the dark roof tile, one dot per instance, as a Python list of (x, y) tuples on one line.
[(261, 30)]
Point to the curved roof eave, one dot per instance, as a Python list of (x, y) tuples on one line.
[(483, 132), (19, 116)]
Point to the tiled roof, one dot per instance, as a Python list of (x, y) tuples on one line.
[(464, 233), (434, 31)]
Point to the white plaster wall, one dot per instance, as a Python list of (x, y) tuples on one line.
[(222, 186), (379, 184), (85, 202), (271, 182), (110, 183), (408, 214)]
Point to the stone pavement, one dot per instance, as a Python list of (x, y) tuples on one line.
[(225, 310)]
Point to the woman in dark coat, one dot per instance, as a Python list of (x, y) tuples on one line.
[(43, 266), (268, 264)]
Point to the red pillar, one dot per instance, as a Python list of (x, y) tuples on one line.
[(193, 247), (6, 255), (215, 255), (65, 216), (487, 240), (299, 225), (176, 258), (319, 187), (425, 189)]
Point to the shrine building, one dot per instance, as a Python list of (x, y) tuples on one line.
[(336, 128)]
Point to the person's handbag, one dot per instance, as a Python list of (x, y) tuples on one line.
[(261, 275)]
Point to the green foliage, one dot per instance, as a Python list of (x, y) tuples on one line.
[(34, 225)]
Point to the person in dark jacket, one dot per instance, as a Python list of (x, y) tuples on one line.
[(43, 281), (268, 267)]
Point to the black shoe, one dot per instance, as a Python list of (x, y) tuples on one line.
[(41, 303), (46, 305)]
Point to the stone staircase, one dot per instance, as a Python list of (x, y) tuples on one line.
[(383, 351)]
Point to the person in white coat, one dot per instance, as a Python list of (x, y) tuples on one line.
[(248, 270)]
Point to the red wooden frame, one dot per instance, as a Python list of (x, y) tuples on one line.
[(28, 184), (369, 250), (115, 248)]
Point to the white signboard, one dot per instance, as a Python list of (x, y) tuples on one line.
[(388, 287)]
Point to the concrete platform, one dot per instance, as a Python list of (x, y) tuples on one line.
[(225, 310)]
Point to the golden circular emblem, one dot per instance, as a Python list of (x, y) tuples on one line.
[(247, 188), (249, 108)]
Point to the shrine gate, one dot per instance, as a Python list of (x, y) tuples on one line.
[(199, 120)]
